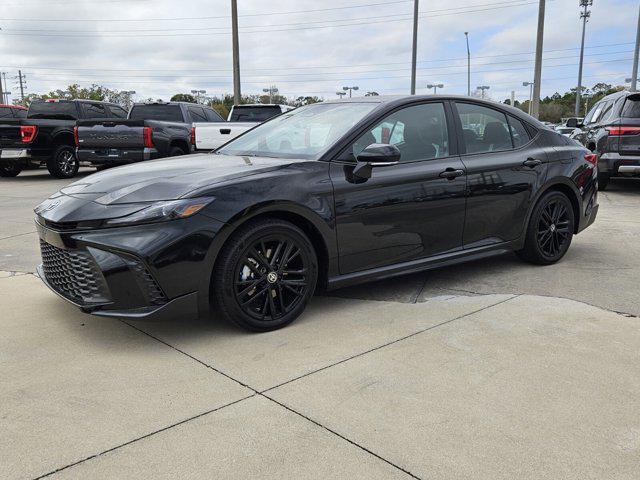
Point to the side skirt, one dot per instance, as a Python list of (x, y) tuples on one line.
[(419, 265)]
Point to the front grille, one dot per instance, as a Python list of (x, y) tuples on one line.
[(74, 274)]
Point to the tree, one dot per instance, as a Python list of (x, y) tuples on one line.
[(371, 94), (74, 91), (300, 101), (184, 97)]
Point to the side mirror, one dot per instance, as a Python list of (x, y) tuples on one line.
[(375, 155), (572, 122)]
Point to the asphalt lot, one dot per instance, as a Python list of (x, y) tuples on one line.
[(493, 369)]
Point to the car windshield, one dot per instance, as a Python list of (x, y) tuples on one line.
[(305, 133)]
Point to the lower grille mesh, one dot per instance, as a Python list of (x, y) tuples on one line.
[(73, 273)]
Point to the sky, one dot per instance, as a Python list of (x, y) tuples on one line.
[(305, 47)]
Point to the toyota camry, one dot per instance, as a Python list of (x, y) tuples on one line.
[(320, 197)]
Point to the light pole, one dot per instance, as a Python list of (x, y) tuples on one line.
[(435, 87), (584, 15), (341, 94), (350, 89), (235, 48), (537, 71), (466, 34), (636, 52), (197, 94), (530, 85), (414, 50), (482, 88), (272, 90)]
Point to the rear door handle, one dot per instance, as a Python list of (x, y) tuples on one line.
[(451, 173), (225, 131), (532, 162)]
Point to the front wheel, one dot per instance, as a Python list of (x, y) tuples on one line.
[(11, 168), (550, 230), (266, 274), (63, 163)]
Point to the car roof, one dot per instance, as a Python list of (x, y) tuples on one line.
[(401, 99), (616, 95)]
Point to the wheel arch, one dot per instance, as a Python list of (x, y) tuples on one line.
[(182, 144), (565, 186), (63, 137), (316, 228)]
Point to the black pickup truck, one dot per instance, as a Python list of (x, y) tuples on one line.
[(152, 130), (45, 136)]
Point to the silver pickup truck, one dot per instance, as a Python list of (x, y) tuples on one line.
[(210, 136)]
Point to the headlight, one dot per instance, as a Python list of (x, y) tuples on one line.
[(163, 211)]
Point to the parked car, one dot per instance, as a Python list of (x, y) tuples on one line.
[(152, 130), (45, 136), (611, 129), (12, 111), (210, 136), (326, 196)]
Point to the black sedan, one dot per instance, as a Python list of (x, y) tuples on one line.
[(320, 197)]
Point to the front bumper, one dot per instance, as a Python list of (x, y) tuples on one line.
[(148, 271), (116, 156), (615, 164)]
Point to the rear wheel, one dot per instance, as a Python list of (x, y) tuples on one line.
[(63, 163), (550, 230), (11, 168), (176, 151), (266, 274)]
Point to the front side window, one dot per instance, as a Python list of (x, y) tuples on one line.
[(419, 132), (117, 112), (305, 133), (484, 129), (94, 111), (197, 114), (212, 115)]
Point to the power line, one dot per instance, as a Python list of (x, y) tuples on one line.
[(265, 29)]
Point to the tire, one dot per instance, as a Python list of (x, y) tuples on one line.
[(550, 230), (100, 168), (251, 286), (64, 162), (11, 169), (175, 152), (603, 181)]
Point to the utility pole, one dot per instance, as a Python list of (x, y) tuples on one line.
[(414, 52), (21, 79), (513, 98), (2, 100), (537, 74), (634, 73), (6, 92), (584, 15), (236, 53), (466, 34)]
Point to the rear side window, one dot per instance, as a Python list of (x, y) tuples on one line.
[(212, 115), (93, 110), (631, 107), (254, 113), (57, 110), (519, 133), (117, 112), (484, 129), (5, 112), (197, 114), (165, 113)]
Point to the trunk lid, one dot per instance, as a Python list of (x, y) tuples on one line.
[(10, 133)]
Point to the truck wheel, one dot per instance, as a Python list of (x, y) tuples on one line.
[(63, 163), (603, 181), (176, 151), (11, 169)]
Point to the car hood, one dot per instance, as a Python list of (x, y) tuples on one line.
[(126, 189)]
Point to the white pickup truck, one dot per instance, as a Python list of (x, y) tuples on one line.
[(212, 135)]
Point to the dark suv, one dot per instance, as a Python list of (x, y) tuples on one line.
[(612, 130)]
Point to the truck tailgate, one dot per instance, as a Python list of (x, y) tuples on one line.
[(110, 134), (215, 134), (10, 133)]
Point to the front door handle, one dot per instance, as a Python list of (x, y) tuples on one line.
[(532, 162), (451, 173)]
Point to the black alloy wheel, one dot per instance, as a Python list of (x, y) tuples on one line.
[(550, 230), (63, 163), (11, 168), (267, 274)]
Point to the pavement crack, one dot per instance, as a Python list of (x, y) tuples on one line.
[(17, 235), (150, 434), (339, 435), (414, 299)]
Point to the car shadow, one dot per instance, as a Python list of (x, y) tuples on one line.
[(624, 185)]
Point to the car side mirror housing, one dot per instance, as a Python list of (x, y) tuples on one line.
[(572, 123), (373, 156)]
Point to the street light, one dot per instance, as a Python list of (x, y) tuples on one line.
[(350, 89), (341, 94), (530, 85), (272, 90), (466, 34), (482, 88), (435, 87), (197, 94)]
